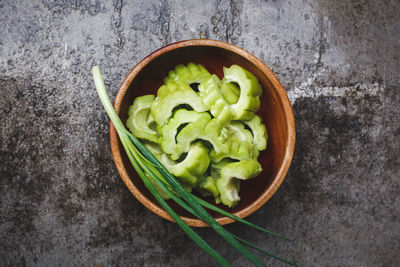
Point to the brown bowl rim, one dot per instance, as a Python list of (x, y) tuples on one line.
[(288, 112)]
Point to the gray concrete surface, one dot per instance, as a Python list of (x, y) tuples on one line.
[(62, 201)]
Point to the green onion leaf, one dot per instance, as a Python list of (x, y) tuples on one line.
[(263, 251), (230, 215)]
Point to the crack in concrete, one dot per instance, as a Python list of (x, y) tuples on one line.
[(322, 40), (116, 22), (226, 20), (164, 19)]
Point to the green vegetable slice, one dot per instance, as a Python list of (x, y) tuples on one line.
[(138, 120), (193, 166), (190, 74), (169, 130), (238, 150), (207, 187), (151, 122), (203, 129), (154, 149), (172, 95), (240, 144), (236, 129), (250, 90), (230, 91), (214, 100), (217, 166), (259, 132), (188, 170), (228, 184)]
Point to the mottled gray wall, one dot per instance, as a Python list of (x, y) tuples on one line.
[(62, 201)]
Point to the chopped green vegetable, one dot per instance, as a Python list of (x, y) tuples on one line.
[(140, 118), (239, 142), (209, 90), (221, 116), (250, 91), (259, 132), (169, 130), (228, 184), (192, 167), (190, 74), (230, 91), (172, 95), (203, 129), (207, 187)]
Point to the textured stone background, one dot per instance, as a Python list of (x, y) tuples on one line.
[(62, 202)]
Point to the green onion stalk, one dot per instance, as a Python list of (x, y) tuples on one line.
[(153, 173)]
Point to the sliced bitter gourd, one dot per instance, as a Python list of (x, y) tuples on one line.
[(207, 187), (213, 99), (169, 131), (193, 166), (188, 170), (239, 142), (259, 131), (238, 150), (215, 144), (172, 95), (237, 130), (155, 149), (151, 122), (230, 91), (203, 129), (216, 167), (250, 90), (229, 185), (138, 122), (190, 74)]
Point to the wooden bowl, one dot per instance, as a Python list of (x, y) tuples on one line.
[(276, 111)]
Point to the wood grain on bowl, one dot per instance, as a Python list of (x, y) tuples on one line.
[(275, 110)]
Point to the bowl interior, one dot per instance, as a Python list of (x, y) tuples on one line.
[(253, 192)]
